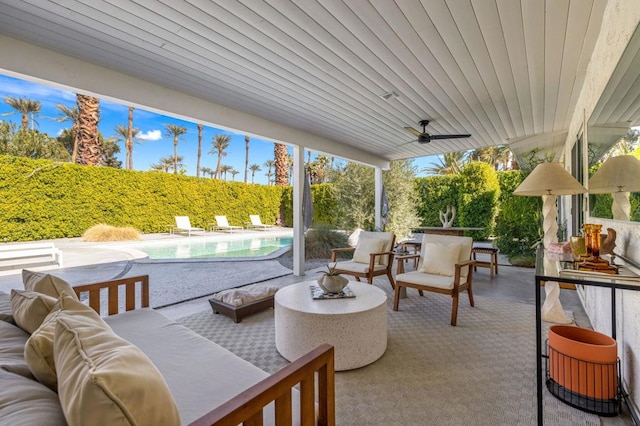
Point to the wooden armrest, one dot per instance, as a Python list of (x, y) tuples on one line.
[(335, 251), (112, 287), (465, 263), (247, 407)]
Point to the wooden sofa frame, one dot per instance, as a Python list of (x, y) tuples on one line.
[(247, 407)]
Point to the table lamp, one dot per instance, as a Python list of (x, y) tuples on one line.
[(618, 176), (550, 180)]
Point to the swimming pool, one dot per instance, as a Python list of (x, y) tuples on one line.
[(202, 248)]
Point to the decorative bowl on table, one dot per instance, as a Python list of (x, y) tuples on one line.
[(332, 283)]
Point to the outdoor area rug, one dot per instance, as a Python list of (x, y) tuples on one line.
[(481, 372)]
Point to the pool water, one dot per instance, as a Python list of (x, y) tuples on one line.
[(194, 248)]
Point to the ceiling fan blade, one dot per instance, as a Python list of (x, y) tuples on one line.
[(412, 131), (449, 136)]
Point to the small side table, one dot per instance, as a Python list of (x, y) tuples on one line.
[(171, 229), (492, 264)]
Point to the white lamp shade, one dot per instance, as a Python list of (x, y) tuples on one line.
[(549, 179), (617, 174)]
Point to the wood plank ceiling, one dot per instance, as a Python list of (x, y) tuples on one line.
[(499, 69)]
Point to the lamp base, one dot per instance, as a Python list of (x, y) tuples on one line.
[(552, 309)]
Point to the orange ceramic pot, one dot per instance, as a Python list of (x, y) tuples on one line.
[(583, 361)]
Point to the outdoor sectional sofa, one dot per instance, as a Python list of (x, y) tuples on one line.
[(207, 383)]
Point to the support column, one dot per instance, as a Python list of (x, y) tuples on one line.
[(298, 228), (378, 197)]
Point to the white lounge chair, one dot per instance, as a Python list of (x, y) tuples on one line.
[(183, 224), (222, 224), (256, 223)]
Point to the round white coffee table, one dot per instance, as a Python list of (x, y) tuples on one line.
[(356, 327)]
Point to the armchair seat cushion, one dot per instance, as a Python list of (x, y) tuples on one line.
[(358, 267), (429, 280)]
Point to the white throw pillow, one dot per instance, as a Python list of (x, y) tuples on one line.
[(439, 259), (365, 247), (30, 308), (38, 351), (46, 284), (105, 380)]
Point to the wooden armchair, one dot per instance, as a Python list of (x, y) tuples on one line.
[(444, 267), (373, 256)]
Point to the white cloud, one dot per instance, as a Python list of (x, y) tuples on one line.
[(151, 135)]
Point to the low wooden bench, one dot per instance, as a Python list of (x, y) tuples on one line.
[(492, 263), (12, 255)]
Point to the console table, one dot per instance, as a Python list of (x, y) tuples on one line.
[(453, 230), (549, 268)]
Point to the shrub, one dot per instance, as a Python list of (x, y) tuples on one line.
[(478, 199), (103, 232), (321, 239), (519, 223)]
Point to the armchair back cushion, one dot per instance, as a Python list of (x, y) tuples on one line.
[(386, 237), (439, 259), (365, 247), (438, 253)]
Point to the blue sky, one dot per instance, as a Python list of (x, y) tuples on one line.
[(153, 143)]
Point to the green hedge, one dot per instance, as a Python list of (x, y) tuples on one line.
[(325, 206), (478, 199), (41, 199), (435, 193)]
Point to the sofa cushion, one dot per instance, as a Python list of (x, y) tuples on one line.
[(27, 402), (30, 308), (12, 341), (5, 308), (105, 380), (46, 284), (38, 351), (220, 374)]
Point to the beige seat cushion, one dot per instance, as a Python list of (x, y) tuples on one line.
[(365, 247), (5, 308), (439, 259), (30, 308), (247, 294), (12, 341), (429, 280), (26, 402), (105, 380), (352, 266), (38, 351), (46, 284)]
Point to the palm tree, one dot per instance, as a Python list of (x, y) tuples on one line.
[(206, 170), (451, 163), (225, 169), (254, 168), (24, 106), (88, 118), (174, 131), (70, 114), (128, 135), (281, 156), (269, 165), (234, 172), (165, 164), (219, 144), (199, 149), (246, 157), (128, 143)]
